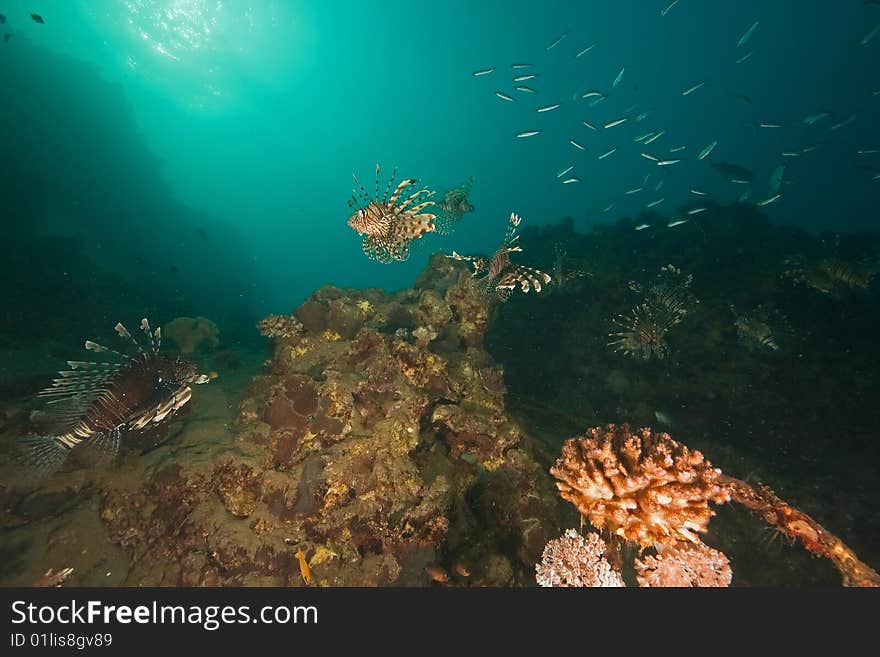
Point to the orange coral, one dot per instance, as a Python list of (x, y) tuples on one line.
[(685, 565), (643, 486)]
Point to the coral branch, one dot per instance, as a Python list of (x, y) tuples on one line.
[(798, 525)]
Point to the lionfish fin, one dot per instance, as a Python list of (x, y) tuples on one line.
[(412, 197), (406, 182), (42, 455), (145, 327), (384, 251), (527, 277), (360, 195), (101, 349), (388, 186), (416, 227), (101, 447), (510, 236), (123, 333)]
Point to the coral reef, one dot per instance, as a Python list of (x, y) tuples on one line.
[(642, 486), (190, 334), (654, 492), (376, 442), (575, 560), (280, 327), (684, 566)]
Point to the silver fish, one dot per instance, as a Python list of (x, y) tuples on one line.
[(745, 57), (748, 35), (769, 125), (484, 71), (606, 154), (841, 124), (692, 89), (523, 78), (666, 9), (665, 163), (593, 94), (586, 50), (643, 226), (677, 222), (589, 125), (576, 145), (705, 152), (768, 201), (633, 191), (870, 35), (618, 78), (697, 209), (615, 123), (570, 180), (520, 66), (549, 108), (655, 137), (564, 171), (528, 90), (529, 133), (556, 43), (504, 96), (677, 149), (648, 156), (815, 118), (699, 192), (654, 204)]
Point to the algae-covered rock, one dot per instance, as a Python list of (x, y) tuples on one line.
[(376, 442)]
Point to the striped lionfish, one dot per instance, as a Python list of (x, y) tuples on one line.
[(453, 207), (95, 404), (499, 273), (390, 224)]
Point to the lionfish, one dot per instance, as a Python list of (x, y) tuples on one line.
[(665, 304), (764, 329), (95, 404), (501, 275), (390, 224), (453, 207)]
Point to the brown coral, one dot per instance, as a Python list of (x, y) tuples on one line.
[(685, 565), (643, 486), (575, 560), (190, 333)]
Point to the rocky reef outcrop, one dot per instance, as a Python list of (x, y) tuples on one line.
[(376, 441)]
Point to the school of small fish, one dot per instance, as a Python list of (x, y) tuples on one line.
[(593, 107)]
